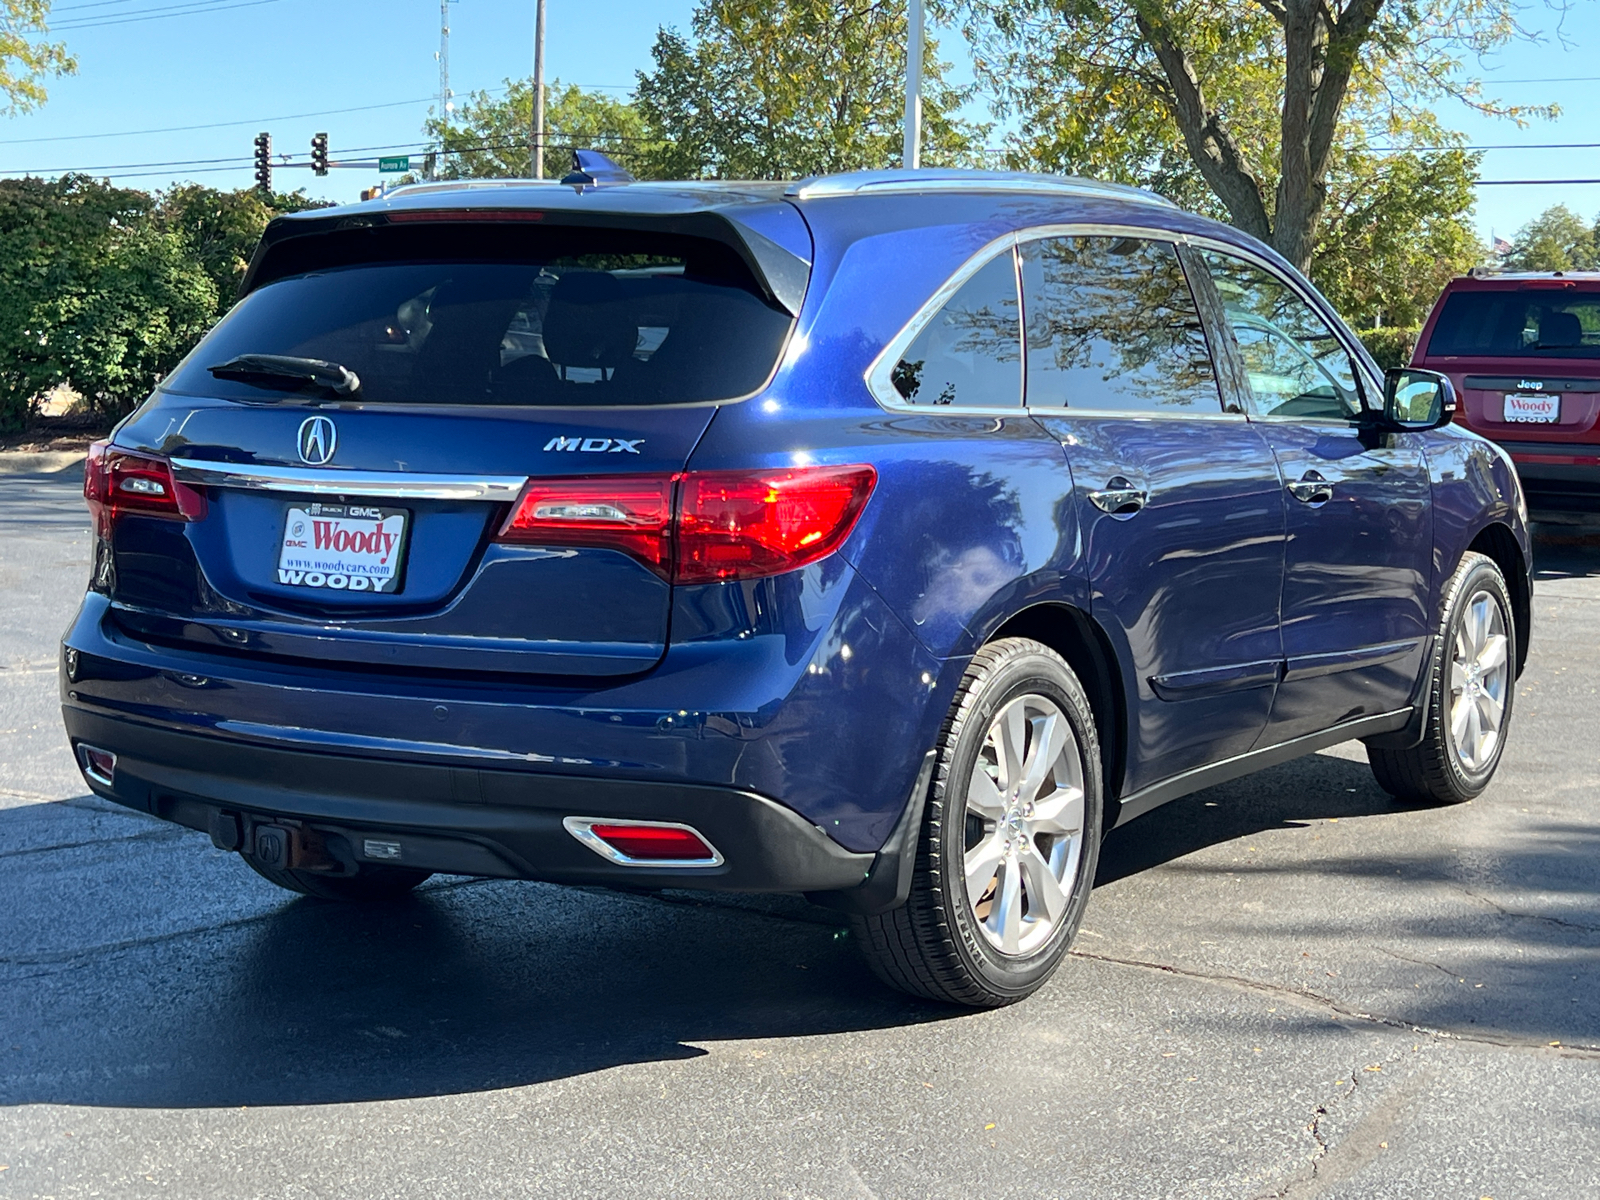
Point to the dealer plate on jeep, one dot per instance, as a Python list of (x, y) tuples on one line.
[(346, 547), (1522, 408)]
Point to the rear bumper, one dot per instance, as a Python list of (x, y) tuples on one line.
[(459, 820), (1556, 476)]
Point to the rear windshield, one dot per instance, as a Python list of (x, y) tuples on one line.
[(1520, 324), (497, 315)]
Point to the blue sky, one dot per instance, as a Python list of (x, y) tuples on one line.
[(259, 64)]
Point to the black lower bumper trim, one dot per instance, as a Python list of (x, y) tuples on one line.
[(457, 820)]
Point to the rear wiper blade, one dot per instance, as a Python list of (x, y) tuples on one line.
[(287, 368)]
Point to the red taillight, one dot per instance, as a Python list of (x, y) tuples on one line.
[(701, 526), (742, 524), (117, 481), (631, 513), (655, 843)]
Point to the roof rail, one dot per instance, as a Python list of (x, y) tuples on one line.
[(954, 179)]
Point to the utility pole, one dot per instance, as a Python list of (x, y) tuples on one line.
[(911, 149), (446, 106), (538, 89)]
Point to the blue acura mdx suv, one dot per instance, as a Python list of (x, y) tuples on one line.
[(886, 537)]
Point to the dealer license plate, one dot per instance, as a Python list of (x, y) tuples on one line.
[(345, 547), (1525, 408)]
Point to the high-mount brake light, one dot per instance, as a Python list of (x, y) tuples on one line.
[(118, 481), (466, 214), (699, 526)]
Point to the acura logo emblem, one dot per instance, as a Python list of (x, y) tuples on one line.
[(318, 438)]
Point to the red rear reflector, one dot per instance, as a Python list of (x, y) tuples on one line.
[(702, 526), (649, 842), (745, 524), (117, 481), (631, 513), (99, 765)]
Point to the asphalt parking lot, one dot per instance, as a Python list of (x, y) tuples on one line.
[(1285, 986)]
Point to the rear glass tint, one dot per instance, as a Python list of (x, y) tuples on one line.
[(1531, 323), (497, 315)]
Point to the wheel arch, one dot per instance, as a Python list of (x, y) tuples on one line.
[(1496, 541), (1072, 633)]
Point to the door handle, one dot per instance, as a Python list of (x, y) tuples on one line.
[(1119, 497), (1311, 488)]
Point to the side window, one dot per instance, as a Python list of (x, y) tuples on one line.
[(1295, 364), (1113, 325), (970, 354)]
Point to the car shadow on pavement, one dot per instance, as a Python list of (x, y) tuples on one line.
[(191, 983), (1317, 787)]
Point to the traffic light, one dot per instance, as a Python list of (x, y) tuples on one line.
[(264, 162), (319, 154)]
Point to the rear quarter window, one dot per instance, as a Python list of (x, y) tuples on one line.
[(485, 315)]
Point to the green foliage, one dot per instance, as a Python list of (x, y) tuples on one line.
[(25, 58), (1397, 229), (1391, 346), (490, 138), (1558, 239), (1261, 112), (219, 230), (775, 89), (92, 294), (105, 288)]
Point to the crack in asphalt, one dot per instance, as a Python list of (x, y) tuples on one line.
[(1521, 916), (1421, 962), (148, 835), (1581, 1050)]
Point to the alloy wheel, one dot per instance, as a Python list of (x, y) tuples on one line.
[(1479, 675), (1024, 825)]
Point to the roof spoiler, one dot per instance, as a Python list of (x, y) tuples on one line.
[(780, 270)]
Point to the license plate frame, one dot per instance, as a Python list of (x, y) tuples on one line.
[(313, 559), (1532, 408)]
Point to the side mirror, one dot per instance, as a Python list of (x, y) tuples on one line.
[(1415, 400)]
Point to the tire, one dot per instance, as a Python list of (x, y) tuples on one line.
[(1456, 758), (374, 882), (947, 943)]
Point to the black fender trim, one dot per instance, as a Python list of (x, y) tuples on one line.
[(888, 882)]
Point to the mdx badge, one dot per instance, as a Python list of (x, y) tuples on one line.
[(596, 445), (317, 439)]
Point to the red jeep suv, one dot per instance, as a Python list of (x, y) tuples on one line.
[(1524, 353)]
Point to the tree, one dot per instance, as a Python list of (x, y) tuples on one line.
[(1558, 239), (25, 59), (491, 138), (773, 89), (93, 294), (1252, 102), (1397, 228), (219, 230)]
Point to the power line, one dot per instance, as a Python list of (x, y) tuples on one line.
[(327, 112), (155, 14), (1529, 182)]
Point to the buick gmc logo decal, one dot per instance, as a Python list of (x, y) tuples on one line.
[(317, 440), (596, 445)]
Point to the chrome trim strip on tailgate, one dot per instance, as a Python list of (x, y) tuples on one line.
[(337, 482)]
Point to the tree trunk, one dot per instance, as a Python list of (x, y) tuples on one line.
[(1321, 48)]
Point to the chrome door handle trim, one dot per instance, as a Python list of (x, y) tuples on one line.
[(1119, 498), (1311, 488)]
